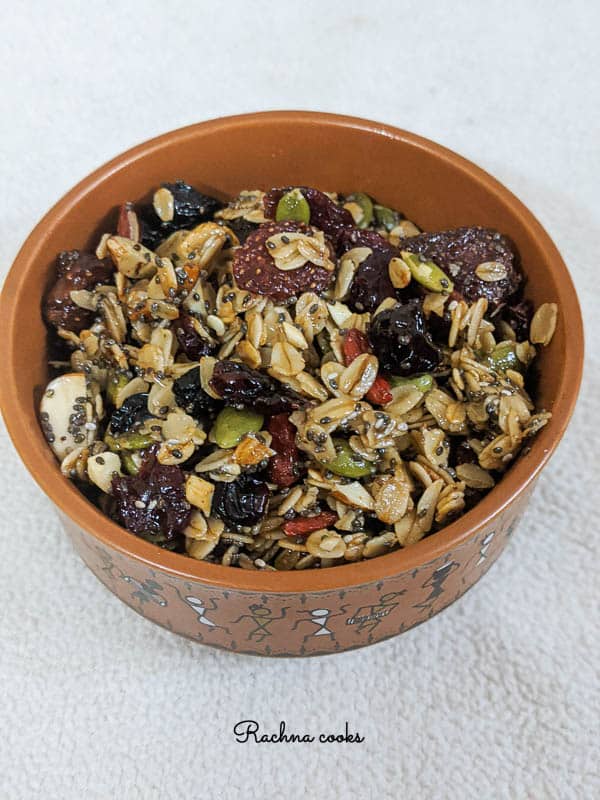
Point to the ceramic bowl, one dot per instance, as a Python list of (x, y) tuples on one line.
[(315, 611)]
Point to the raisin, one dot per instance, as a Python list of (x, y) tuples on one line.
[(325, 214), (401, 342), (191, 396), (152, 503), (239, 385), (133, 411), (191, 208), (254, 267), (518, 315), (240, 226), (284, 467), (459, 252), (240, 503), (190, 341), (75, 270)]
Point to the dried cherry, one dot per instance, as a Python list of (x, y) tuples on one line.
[(254, 268), (325, 214), (75, 271), (239, 385), (401, 341), (152, 503), (240, 503), (190, 341), (459, 252)]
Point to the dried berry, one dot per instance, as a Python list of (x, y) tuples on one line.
[(284, 467), (190, 206), (459, 252), (240, 226), (518, 316), (191, 396), (355, 344), (325, 214), (152, 503), (401, 342), (371, 284), (254, 267), (239, 385), (133, 411), (76, 271), (305, 525), (190, 341), (240, 503)]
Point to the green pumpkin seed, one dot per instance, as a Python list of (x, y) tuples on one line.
[(116, 381), (232, 424), (129, 463), (424, 383), (427, 273), (504, 357), (386, 217), (347, 463), (127, 441), (293, 205), (364, 202)]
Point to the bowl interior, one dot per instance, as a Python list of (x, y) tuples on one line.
[(432, 186)]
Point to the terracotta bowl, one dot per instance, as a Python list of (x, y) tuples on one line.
[(315, 611)]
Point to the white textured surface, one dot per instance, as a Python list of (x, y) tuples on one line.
[(495, 698)]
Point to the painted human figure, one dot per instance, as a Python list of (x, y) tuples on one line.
[(367, 618), (147, 590), (318, 617), (435, 582), (201, 607), (263, 617)]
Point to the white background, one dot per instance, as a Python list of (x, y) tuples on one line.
[(495, 698)]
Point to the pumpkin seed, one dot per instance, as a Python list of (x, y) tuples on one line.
[(427, 273), (232, 424), (293, 206)]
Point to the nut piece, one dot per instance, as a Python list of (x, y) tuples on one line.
[(251, 451), (102, 469), (199, 493), (164, 204), (325, 544), (543, 324), (66, 414), (400, 273), (491, 271)]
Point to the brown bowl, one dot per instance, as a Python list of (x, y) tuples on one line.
[(315, 611)]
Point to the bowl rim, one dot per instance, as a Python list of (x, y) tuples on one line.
[(68, 499)]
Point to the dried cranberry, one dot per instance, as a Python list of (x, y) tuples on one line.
[(254, 267), (401, 342), (190, 341), (284, 467), (240, 385), (191, 396), (459, 252), (240, 503), (325, 214), (133, 411), (191, 208), (75, 271), (152, 503)]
